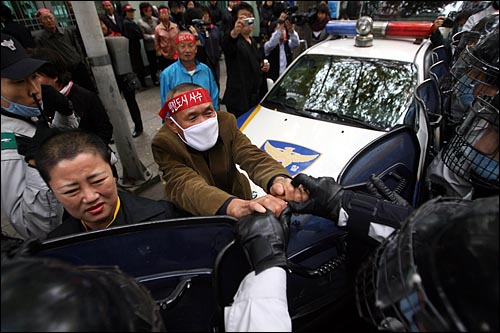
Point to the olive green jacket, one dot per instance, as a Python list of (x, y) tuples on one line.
[(201, 182)]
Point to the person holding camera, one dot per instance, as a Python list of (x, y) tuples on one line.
[(279, 48), (244, 62), (213, 36)]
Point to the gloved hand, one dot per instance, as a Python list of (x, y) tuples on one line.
[(325, 196), (377, 187), (28, 147), (54, 100), (264, 239)]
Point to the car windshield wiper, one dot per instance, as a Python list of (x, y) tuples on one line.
[(281, 105), (341, 117)]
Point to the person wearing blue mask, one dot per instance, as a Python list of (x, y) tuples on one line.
[(475, 73), (468, 165), (27, 203)]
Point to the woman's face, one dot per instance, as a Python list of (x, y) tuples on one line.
[(148, 12), (20, 91), (86, 188)]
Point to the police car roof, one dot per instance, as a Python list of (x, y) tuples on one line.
[(400, 49)]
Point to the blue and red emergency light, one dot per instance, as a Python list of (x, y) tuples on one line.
[(382, 29)]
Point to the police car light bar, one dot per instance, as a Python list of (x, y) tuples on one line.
[(409, 29), (382, 29), (347, 27)]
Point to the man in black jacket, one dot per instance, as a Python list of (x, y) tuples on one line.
[(113, 21), (245, 83)]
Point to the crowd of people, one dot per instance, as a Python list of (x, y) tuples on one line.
[(59, 179)]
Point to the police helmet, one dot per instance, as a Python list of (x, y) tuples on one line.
[(44, 294), (472, 153), (477, 67), (438, 273), (485, 26)]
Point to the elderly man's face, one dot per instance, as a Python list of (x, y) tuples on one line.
[(48, 21), (108, 8), (187, 51), (191, 116)]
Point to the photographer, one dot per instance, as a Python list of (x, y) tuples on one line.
[(279, 48), (194, 23), (245, 82), (213, 38)]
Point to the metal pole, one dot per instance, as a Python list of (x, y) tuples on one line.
[(134, 172)]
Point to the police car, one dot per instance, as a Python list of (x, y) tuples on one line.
[(345, 108)]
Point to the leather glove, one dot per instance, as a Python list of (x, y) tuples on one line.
[(264, 240), (377, 187), (53, 100), (28, 147), (325, 196)]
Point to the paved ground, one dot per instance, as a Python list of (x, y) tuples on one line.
[(149, 103)]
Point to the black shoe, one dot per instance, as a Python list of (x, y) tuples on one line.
[(136, 133)]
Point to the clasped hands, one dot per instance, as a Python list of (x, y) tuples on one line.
[(280, 192)]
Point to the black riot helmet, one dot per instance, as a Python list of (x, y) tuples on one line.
[(472, 153), (44, 294), (474, 73), (484, 27), (438, 273)]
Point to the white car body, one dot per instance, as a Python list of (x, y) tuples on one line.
[(331, 144)]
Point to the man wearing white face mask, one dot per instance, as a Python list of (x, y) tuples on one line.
[(197, 150)]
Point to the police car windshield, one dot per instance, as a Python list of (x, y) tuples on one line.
[(371, 90)]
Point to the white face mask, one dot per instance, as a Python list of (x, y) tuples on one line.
[(202, 136)]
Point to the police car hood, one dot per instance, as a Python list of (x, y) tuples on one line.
[(305, 145)]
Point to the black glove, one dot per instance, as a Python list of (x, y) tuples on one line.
[(377, 187), (28, 147), (264, 239), (325, 196), (53, 100)]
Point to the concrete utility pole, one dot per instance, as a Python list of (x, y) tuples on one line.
[(135, 174)]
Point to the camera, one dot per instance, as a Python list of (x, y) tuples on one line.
[(248, 21), (289, 10), (200, 23), (303, 18)]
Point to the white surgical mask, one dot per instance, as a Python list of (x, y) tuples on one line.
[(202, 136)]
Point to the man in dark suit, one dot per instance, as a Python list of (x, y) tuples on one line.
[(112, 20)]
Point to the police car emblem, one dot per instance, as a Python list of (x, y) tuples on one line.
[(294, 158), (8, 43)]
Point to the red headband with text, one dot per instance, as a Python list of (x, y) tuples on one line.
[(185, 38), (42, 11), (185, 101)]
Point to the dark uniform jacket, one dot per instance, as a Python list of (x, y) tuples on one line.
[(201, 183), (133, 209)]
